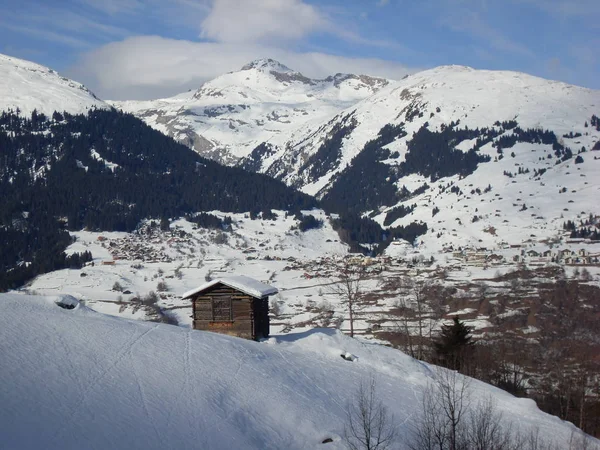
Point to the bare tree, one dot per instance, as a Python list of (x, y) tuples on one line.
[(448, 421), (418, 291), (442, 423), (454, 402), (348, 285), (420, 307), (403, 325), (369, 425), (486, 430), (431, 429)]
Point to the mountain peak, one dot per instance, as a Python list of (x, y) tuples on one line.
[(267, 64)]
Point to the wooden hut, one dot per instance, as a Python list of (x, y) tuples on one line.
[(235, 305)]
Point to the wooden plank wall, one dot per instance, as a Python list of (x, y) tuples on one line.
[(242, 312)]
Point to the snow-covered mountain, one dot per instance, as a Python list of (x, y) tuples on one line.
[(74, 378), (500, 143), (436, 97), (29, 86), (230, 115)]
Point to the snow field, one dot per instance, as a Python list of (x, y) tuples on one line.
[(237, 111), (29, 86), (79, 379)]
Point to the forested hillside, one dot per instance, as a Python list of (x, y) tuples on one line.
[(106, 171)]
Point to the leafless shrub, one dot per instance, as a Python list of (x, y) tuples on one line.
[(369, 425), (162, 286), (178, 273), (585, 275), (163, 317), (117, 287), (149, 299), (486, 430), (324, 306), (448, 421), (442, 423)]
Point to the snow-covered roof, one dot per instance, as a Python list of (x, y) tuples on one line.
[(245, 284)]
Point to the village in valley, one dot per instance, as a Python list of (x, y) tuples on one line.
[(303, 266)]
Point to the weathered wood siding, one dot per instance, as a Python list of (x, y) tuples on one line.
[(226, 310)]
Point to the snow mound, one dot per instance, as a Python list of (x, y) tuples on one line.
[(79, 379), (64, 301)]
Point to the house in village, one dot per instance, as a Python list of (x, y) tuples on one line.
[(495, 259), (234, 305)]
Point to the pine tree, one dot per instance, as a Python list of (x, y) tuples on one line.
[(454, 346)]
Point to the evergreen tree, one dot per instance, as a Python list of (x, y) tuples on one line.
[(454, 346)]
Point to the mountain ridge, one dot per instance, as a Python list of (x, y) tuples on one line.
[(226, 117), (29, 86), (458, 88)]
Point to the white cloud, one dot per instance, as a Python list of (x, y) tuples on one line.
[(151, 66), (260, 20)]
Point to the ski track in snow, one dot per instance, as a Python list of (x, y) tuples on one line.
[(91, 385)]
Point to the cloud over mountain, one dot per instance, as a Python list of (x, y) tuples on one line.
[(152, 66)]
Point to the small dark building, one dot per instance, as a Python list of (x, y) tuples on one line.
[(236, 305)]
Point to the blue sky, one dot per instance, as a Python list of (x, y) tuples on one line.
[(152, 48)]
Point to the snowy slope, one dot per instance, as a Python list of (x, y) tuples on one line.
[(272, 251), (475, 99), (478, 98), (228, 116), (79, 379), (28, 86)]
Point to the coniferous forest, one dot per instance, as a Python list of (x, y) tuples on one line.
[(106, 171)]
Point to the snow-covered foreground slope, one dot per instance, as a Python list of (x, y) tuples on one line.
[(228, 116), (73, 378), (28, 86)]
